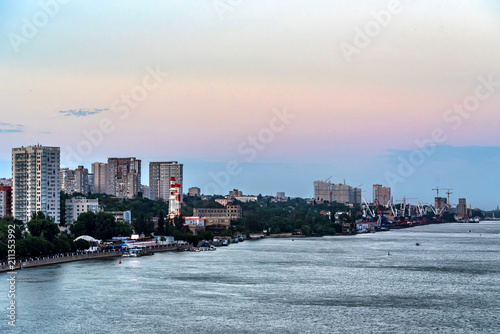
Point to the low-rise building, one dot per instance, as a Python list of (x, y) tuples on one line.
[(223, 201), (246, 199), (5, 182), (121, 216), (195, 224), (78, 205), (219, 216), (194, 192)]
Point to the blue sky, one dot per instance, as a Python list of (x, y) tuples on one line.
[(215, 79)]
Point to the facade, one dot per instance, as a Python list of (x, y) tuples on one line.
[(160, 174), (90, 181), (381, 194), (440, 203), (462, 207), (68, 180), (77, 205), (146, 192), (280, 195), (245, 199), (5, 182), (235, 193), (123, 177), (100, 172), (36, 181), (222, 201), (78, 180), (219, 216), (121, 216), (198, 221), (5, 201), (194, 192), (340, 193)]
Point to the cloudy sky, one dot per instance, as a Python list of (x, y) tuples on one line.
[(263, 96)]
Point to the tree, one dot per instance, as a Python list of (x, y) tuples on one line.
[(161, 223), (101, 226), (82, 244), (40, 225)]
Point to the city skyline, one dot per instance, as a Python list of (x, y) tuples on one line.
[(316, 109)]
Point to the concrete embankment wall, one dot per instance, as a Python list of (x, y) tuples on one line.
[(168, 248), (57, 260)]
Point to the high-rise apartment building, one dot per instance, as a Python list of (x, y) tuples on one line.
[(341, 193), (36, 181), (99, 170), (160, 173), (5, 201), (68, 180), (462, 207), (381, 194), (124, 177), (76, 180), (146, 192)]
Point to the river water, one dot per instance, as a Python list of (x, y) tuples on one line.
[(448, 284)]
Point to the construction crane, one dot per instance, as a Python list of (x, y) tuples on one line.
[(449, 193), (328, 179), (437, 190)]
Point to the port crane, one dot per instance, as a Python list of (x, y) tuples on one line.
[(367, 209), (404, 205), (380, 214)]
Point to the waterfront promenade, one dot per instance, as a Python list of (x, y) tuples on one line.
[(72, 257)]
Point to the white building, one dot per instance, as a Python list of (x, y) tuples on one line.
[(36, 181), (77, 205), (246, 199), (121, 216)]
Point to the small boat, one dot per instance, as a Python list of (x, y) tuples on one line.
[(137, 252), (417, 244)]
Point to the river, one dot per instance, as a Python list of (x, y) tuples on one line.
[(344, 284)]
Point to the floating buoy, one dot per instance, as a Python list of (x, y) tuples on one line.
[(388, 253), (120, 262)]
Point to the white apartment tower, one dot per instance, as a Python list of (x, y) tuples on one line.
[(160, 173), (36, 181)]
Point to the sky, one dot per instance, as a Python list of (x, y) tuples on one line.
[(262, 96)]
